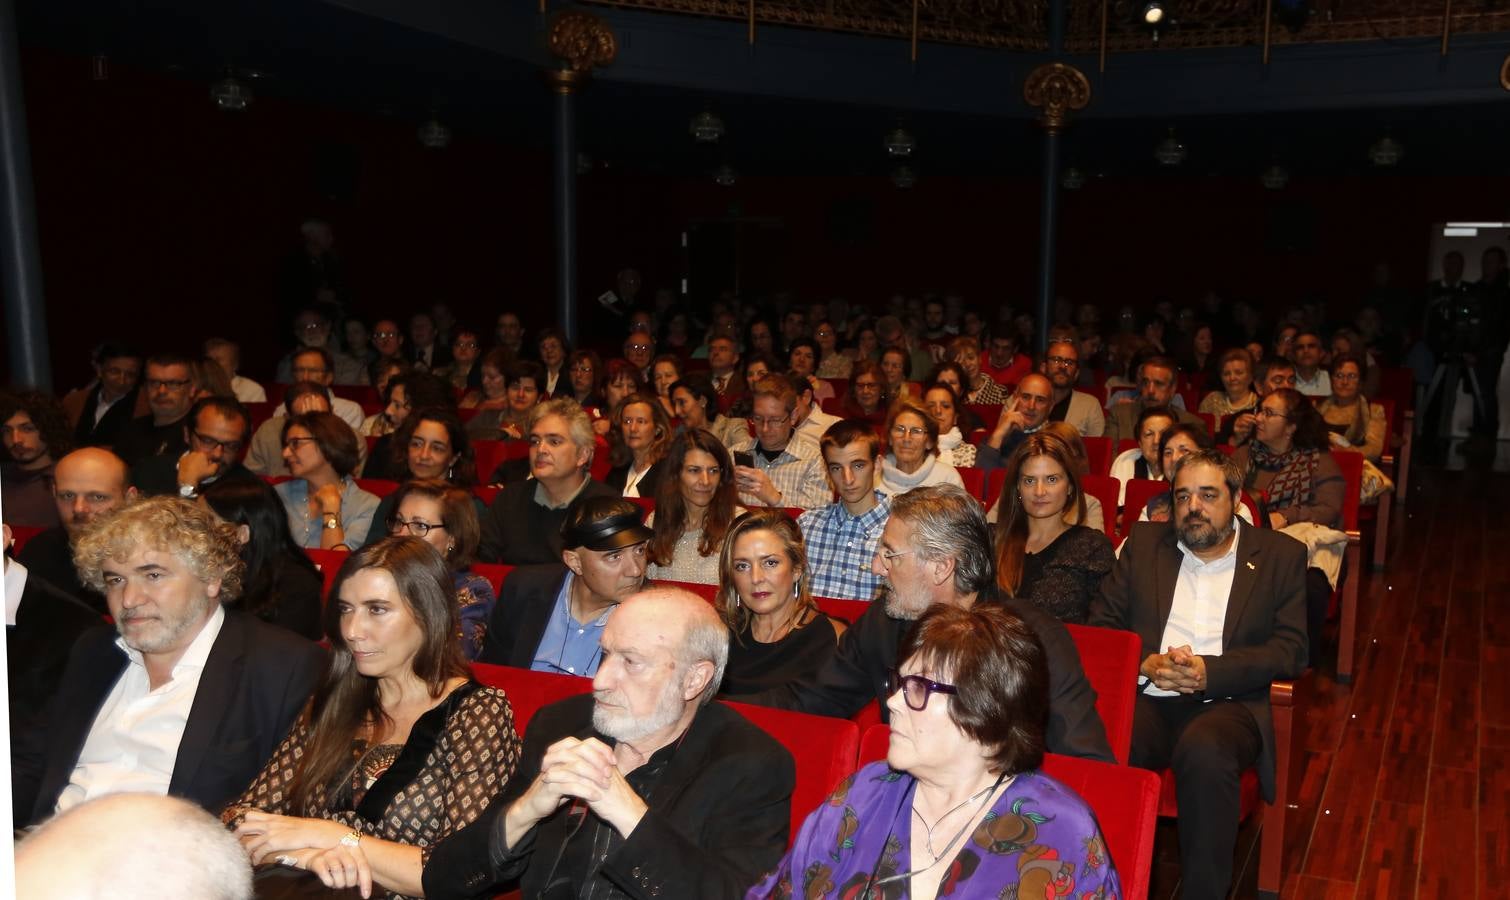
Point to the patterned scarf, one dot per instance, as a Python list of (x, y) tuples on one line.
[(1293, 473)]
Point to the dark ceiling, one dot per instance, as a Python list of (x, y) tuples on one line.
[(315, 53)]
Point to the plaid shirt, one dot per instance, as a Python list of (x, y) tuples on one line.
[(840, 548), (797, 472)]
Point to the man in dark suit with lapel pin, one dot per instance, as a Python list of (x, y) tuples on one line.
[(182, 697), (548, 617), (1220, 607), (645, 788)]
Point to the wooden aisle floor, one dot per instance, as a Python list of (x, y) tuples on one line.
[(1404, 784)]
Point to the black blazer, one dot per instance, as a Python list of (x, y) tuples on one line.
[(256, 680), (719, 816), (1263, 635), (519, 617), (858, 672), (651, 481), (89, 434), (48, 621), (50, 555)]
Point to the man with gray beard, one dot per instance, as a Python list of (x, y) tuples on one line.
[(1220, 607), (644, 788), (936, 548)]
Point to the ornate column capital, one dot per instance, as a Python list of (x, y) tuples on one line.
[(582, 40), (1058, 89)]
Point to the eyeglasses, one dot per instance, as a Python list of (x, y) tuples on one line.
[(773, 421), (638, 347), (890, 555), (416, 527), (1265, 412), (155, 384), (467, 345), (1062, 361), (866, 385), (584, 368), (385, 335), (916, 689), (211, 445), (904, 431), (1345, 376), (294, 443), (823, 333)]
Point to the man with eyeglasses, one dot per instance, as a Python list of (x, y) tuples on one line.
[(1158, 380), (639, 349), (312, 330), (1311, 376), (549, 616), (1271, 374), (172, 387), (316, 364), (216, 432), (99, 411), (780, 468), (388, 342), (1061, 365), (936, 548)]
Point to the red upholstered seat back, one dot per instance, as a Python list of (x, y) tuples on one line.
[(1098, 454), (22, 534), (329, 563), (1111, 660), (529, 690), (1139, 492), (377, 487), (975, 481), (494, 573), (1106, 489), (823, 748)]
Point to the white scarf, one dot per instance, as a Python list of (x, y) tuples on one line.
[(900, 482)]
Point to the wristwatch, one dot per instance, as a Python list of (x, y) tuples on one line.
[(332, 521), (188, 491)]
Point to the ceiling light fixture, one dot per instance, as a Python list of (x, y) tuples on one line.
[(706, 128), (434, 135), (1153, 12), (1386, 152), (900, 144), (230, 94), (1170, 152), (725, 176), (1275, 177)]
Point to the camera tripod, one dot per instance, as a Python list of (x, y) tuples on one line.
[(1443, 390)]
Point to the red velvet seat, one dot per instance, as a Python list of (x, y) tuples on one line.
[(23, 533), (975, 481), (529, 690), (1125, 801), (1139, 492), (1111, 658), (823, 748), (1346, 595), (329, 563), (848, 610), (1098, 453), (1104, 488), (495, 573), (994, 482), (988, 414), (378, 487), (487, 493), (260, 412)]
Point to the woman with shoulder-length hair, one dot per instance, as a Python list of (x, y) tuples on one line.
[(778, 633), (960, 805), (1041, 558), (282, 586), (399, 747), (912, 456), (641, 440), (695, 504), (325, 507), (448, 517)]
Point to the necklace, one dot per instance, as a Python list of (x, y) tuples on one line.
[(928, 830)]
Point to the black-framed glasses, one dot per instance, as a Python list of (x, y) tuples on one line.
[(416, 527), (916, 689), (211, 445), (177, 384), (1063, 362), (1265, 412)]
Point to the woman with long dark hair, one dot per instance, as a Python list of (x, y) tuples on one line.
[(282, 585), (694, 506), (399, 747)]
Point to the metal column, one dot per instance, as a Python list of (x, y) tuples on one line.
[(20, 259), (565, 84)]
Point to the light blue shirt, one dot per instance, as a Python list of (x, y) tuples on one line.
[(569, 647), (357, 509)]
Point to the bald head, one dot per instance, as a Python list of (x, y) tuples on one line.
[(1034, 398), (88, 483), (133, 847)]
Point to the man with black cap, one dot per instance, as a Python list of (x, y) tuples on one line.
[(549, 616)]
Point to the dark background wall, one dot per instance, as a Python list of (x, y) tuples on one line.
[(164, 220)]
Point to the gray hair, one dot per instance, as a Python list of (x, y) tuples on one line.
[(706, 639), (948, 523), (578, 425), (1232, 476)]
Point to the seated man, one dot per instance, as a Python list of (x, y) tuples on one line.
[(41, 625), (1230, 620), (548, 617), (784, 468), (266, 455), (1158, 378), (936, 548), (171, 388), (1061, 365), (33, 434), (317, 365), (188, 699), (99, 410), (1311, 376), (86, 483), (811, 420), (645, 788), (216, 433), (1024, 413), (841, 537), (227, 355), (312, 330), (528, 514)]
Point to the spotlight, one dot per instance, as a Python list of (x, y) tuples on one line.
[(1153, 12)]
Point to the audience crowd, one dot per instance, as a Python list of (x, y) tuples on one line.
[(677, 503)]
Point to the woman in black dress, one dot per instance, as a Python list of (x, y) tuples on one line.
[(778, 633), (1039, 557)]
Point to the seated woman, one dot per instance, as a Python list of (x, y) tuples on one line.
[(952, 375), (756, 367), (942, 404), (959, 803), (1352, 421), (980, 388), (503, 416), (867, 397), (664, 372), (399, 746), (1236, 394), (383, 422), (620, 379), (912, 458), (1143, 460), (553, 350), (1095, 516), (644, 434), (896, 368), (586, 371), (778, 634), (282, 585), (696, 404), (446, 517), (1041, 558), (406, 393), (465, 372), (694, 506), (1347, 342), (832, 363), (802, 360), (325, 508)]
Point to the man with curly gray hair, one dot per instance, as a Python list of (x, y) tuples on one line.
[(182, 696)]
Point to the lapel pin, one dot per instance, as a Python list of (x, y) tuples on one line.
[(1253, 567)]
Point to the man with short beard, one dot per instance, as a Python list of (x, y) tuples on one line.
[(181, 696), (1231, 619), (936, 548), (643, 788), (33, 435)]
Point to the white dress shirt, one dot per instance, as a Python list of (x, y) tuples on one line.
[(133, 743), (1199, 611), (15, 586)]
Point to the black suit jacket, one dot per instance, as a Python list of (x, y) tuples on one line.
[(256, 680), (140, 438), (858, 672), (525, 533), (649, 482), (48, 621), (88, 434), (50, 555), (1263, 635), (157, 476), (519, 617), (719, 816)]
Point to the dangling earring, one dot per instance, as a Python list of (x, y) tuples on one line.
[(796, 585), (737, 604)]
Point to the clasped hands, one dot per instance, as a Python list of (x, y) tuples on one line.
[(574, 769), (311, 844), (1179, 669)]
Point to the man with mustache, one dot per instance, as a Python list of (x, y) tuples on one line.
[(936, 548), (1221, 611), (645, 788)]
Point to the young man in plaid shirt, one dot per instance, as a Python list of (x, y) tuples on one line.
[(841, 537)]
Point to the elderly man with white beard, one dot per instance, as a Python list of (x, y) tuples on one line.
[(643, 788)]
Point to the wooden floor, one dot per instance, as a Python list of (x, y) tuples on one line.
[(1405, 784)]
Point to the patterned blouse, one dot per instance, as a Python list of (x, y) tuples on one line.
[(474, 607), (457, 760)]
